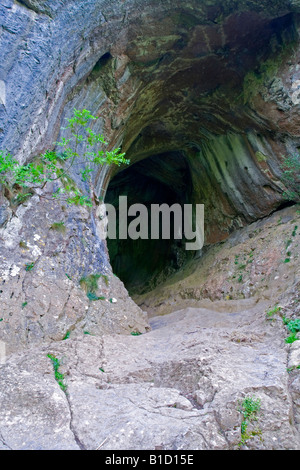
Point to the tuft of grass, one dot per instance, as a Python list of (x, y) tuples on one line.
[(249, 408), (287, 244), (292, 338), (58, 227), (242, 266), (93, 297), (290, 177), (67, 335), (293, 325), (90, 285), (59, 377), (29, 266), (23, 245), (106, 279), (270, 313), (21, 198), (290, 369)]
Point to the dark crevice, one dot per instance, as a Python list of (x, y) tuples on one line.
[(31, 6), (77, 440), (161, 179), (100, 65), (104, 59)]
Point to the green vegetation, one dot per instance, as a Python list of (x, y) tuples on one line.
[(290, 369), (291, 177), (249, 408), (29, 266), (93, 297), (22, 197), (291, 339), (288, 243), (54, 166), (261, 157), (270, 313), (67, 335), (59, 377), (243, 264), (23, 245), (58, 227), (293, 325), (90, 285), (256, 80), (294, 232)]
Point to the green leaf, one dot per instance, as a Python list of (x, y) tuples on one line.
[(54, 166)]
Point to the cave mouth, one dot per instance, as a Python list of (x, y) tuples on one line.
[(160, 179), (197, 133)]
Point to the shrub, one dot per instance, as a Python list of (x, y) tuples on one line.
[(249, 408), (54, 166), (59, 377)]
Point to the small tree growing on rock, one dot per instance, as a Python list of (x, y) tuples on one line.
[(55, 166)]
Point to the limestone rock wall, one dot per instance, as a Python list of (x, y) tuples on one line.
[(210, 90), (177, 76)]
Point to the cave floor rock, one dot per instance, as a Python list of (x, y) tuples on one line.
[(178, 386), (181, 384)]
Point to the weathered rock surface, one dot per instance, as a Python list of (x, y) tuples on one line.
[(178, 386), (47, 253), (179, 77), (260, 261), (209, 88)]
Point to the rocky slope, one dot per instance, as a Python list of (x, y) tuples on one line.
[(180, 385), (207, 93), (49, 255), (259, 261), (204, 99)]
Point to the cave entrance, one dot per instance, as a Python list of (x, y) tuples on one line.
[(160, 179), (197, 97)]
